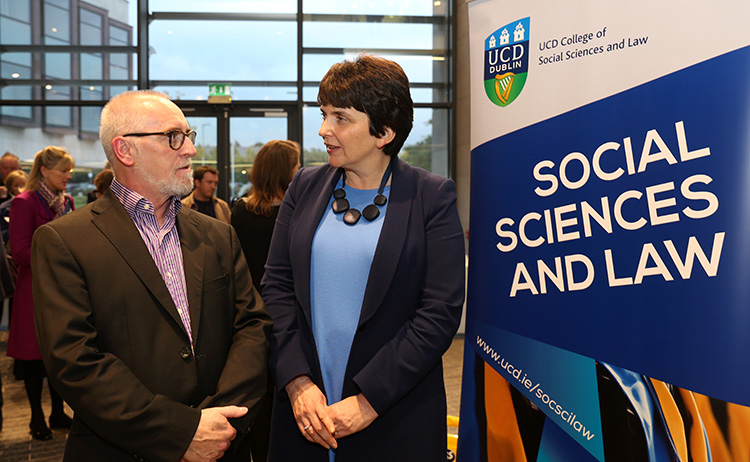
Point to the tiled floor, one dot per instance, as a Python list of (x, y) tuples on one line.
[(17, 445)]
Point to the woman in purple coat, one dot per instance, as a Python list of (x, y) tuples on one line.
[(43, 201)]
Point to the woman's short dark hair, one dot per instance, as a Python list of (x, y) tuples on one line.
[(376, 86)]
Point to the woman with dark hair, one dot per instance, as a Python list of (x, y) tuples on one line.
[(43, 200), (102, 181), (365, 282), (253, 216)]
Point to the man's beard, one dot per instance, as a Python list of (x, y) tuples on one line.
[(174, 186)]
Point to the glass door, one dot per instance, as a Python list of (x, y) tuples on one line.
[(229, 137), (205, 141), (246, 136)]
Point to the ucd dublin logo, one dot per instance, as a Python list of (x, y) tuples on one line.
[(506, 62)]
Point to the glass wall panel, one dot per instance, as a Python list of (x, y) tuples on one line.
[(390, 7), (14, 32), (65, 4), (225, 6), (205, 141), (368, 35), (256, 50), (313, 150), (247, 135), (18, 9), (91, 66), (12, 71), (91, 28), (21, 59), (428, 95), (57, 65), (15, 66), (90, 115), (310, 93), (119, 63), (19, 112), (118, 66), (427, 144), (419, 68), (57, 116), (56, 23), (118, 36)]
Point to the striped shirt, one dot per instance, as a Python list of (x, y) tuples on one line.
[(163, 244)]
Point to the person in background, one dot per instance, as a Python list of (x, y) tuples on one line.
[(16, 183), (253, 218), (102, 181), (107, 176), (44, 200), (148, 323), (8, 163), (202, 199), (365, 283), (7, 287)]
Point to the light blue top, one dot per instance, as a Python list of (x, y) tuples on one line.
[(340, 266)]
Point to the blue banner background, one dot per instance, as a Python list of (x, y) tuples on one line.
[(691, 333)]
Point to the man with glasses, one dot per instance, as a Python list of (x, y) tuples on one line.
[(148, 322), (203, 199)]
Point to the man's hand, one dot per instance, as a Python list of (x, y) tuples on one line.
[(310, 410), (351, 415), (214, 434)]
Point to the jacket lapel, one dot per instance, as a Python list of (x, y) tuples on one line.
[(110, 217), (391, 241), (193, 259), (309, 218)]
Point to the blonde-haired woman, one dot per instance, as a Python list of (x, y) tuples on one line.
[(43, 201)]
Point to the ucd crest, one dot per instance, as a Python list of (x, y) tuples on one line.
[(506, 62)]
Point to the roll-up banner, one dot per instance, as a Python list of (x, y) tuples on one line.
[(608, 314)]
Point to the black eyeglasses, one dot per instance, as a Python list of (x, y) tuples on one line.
[(176, 137)]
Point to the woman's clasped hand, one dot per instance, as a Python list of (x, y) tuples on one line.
[(322, 424)]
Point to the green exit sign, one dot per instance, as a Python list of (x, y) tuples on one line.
[(219, 93)]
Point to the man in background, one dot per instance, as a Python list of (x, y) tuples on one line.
[(8, 163), (202, 199), (147, 319)]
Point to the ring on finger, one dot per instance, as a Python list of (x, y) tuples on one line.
[(306, 427)]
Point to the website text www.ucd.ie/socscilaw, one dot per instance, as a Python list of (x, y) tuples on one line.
[(535, 390)]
